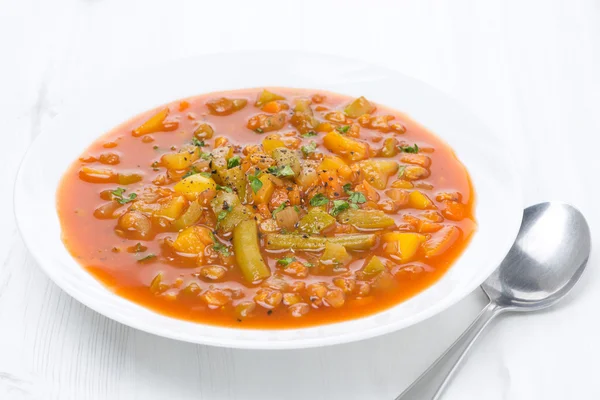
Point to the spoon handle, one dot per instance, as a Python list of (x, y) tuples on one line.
[(432, 382)]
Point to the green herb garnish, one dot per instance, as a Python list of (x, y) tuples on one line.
[(234, 162), (197, 142), (224, 188), (409, 149), (357, 198), (205, 156), (278, 209), (310, 148), (258, 130), (284, 171), (285, 261), (192, 171), (221, 216), (309, 134), (118, 195), (206, 174), (339, 206), (221, 248), (255, 183), (319, 200), (343, 129)]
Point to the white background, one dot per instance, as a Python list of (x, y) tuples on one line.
[(530, 69)]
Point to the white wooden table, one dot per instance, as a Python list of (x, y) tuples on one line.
[(530, 69)]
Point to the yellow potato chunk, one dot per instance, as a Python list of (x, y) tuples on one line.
[(192, 240), (347, 147), (272, 142), (402, 245), (377, 172), (419, 200), (181, 160), (266, 190), (193, 185), (337, 165), (172, 208)]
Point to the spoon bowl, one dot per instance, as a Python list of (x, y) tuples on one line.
[(546, 260)]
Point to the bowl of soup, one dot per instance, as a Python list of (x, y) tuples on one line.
[(307, 200)]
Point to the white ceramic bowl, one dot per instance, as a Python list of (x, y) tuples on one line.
[(107, 104)]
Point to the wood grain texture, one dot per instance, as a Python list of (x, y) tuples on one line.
[(528, 68)]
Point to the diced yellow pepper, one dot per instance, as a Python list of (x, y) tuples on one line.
[(402, 245), (182, 159), (347, 147), (156, 123), (192, 240), (272, 142), (266, 190), (193, 185), (267, 96), (336, 164), (419, 201), (172, 209)]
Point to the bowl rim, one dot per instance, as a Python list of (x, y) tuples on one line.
[(495, 259)]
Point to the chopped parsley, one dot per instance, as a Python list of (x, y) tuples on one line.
[(197, 142), (310, 148), (221, 248), (409, 149), (284, 171), (146, 258), (259, 130), (355, 197), (155, 147), (205, 156), (118, 195), (309, 134), (309, 265), (192, 171), (221, 215), (234, 162), (401, 171), (224, 188), (278, 209), (339, 206), (255, 183), (285, 261), (319, 200), (343, 128), (205, 174)]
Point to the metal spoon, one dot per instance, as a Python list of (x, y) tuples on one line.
[(544, 263)]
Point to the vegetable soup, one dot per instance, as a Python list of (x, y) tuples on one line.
[(267, 208)]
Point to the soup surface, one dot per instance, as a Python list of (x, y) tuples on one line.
[(267, 208)]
